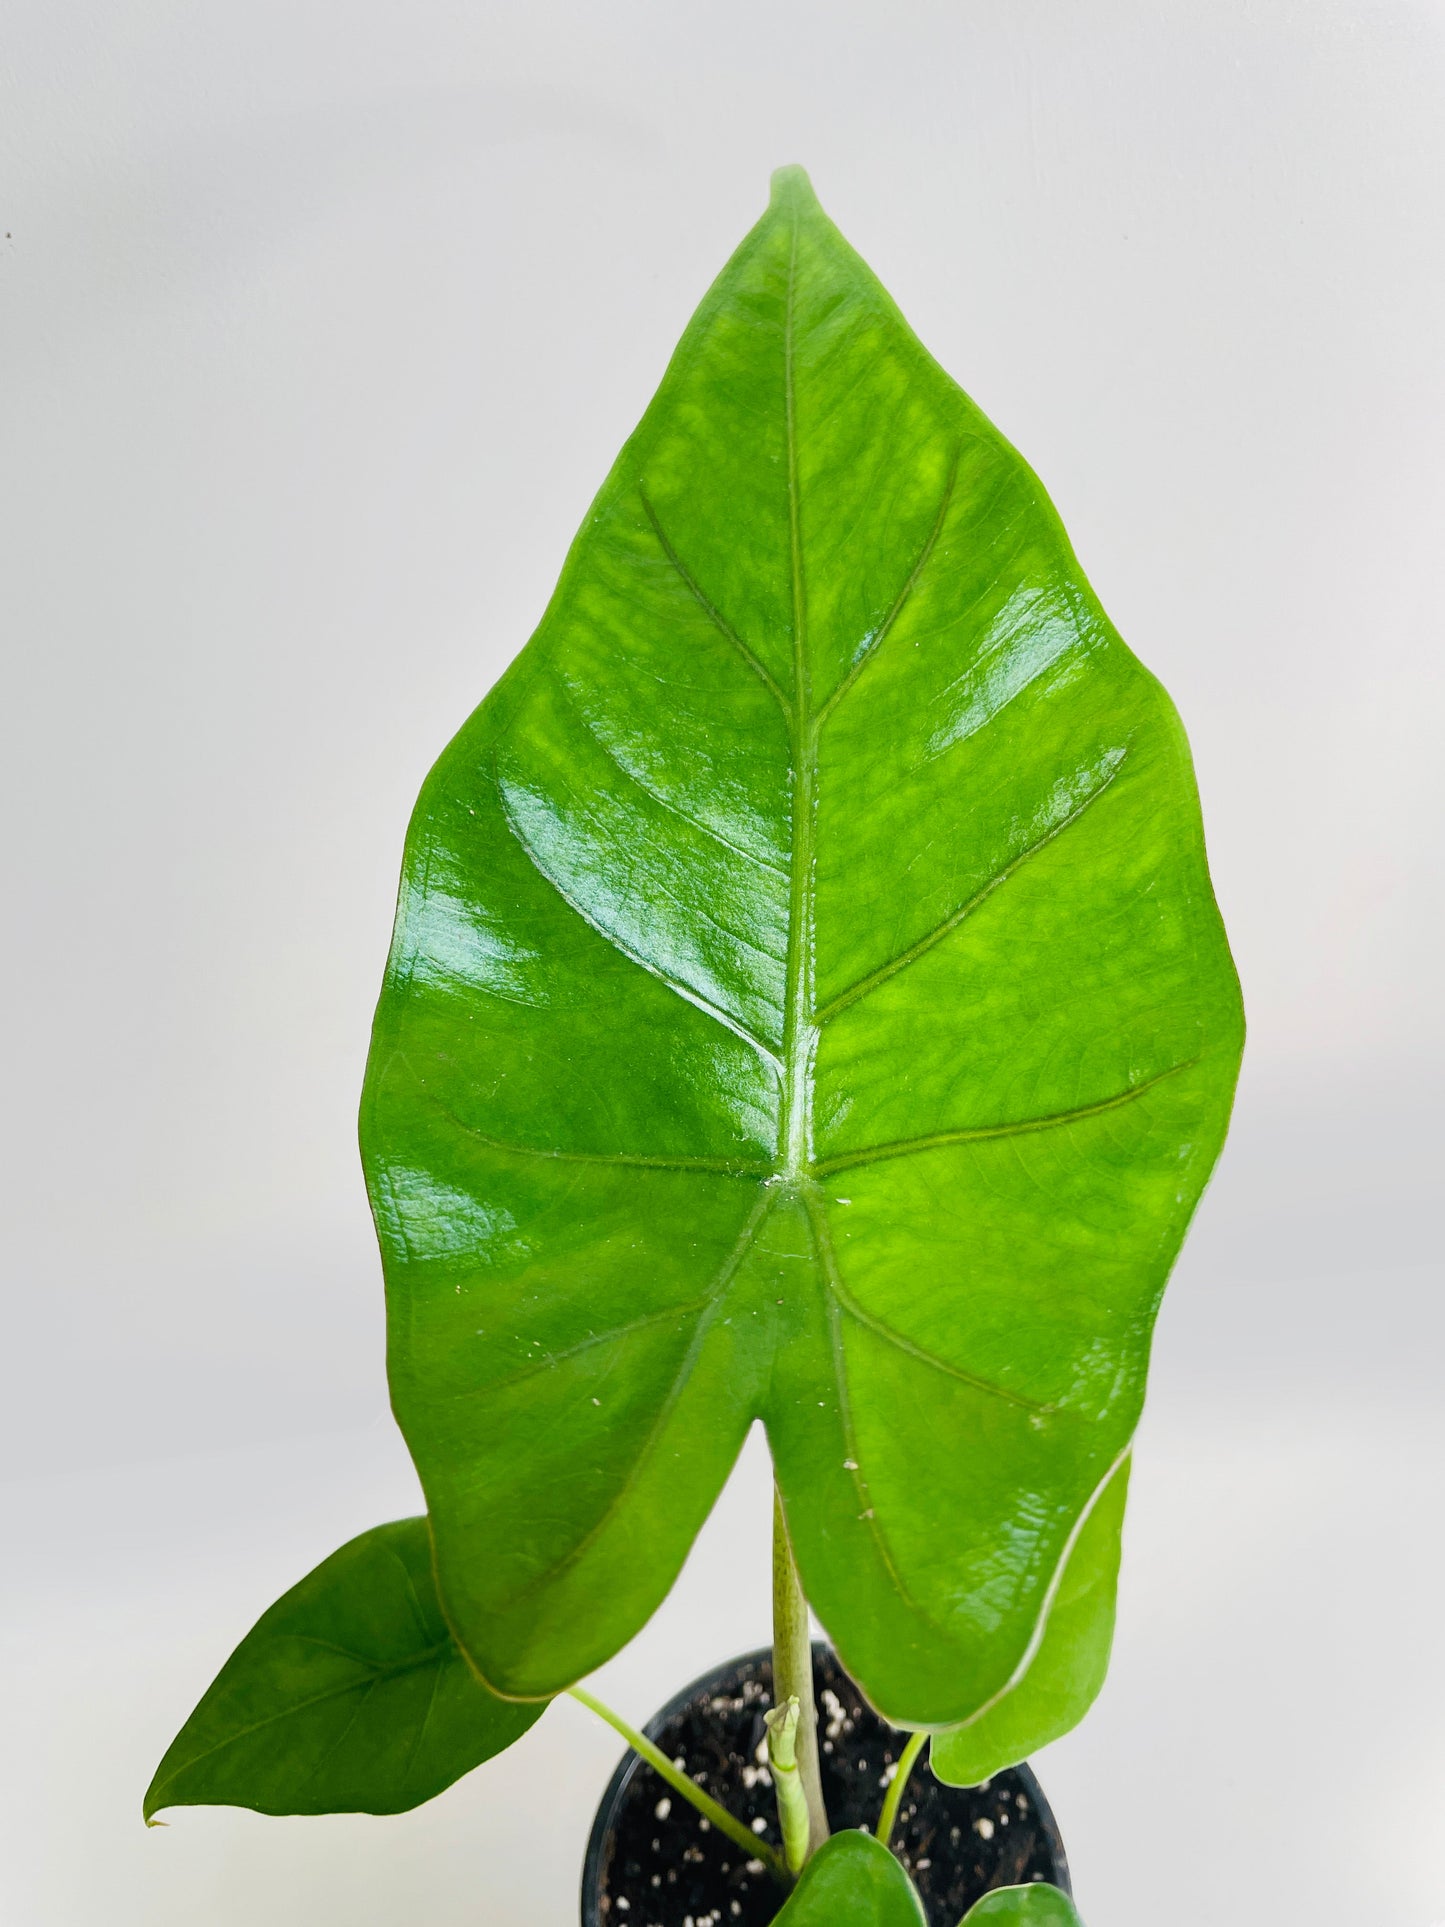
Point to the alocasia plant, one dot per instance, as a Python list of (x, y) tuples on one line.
[(807, 1004)]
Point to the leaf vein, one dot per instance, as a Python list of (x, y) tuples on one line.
[(674, 984), (718, 1291), (405, 1570), (431, 1657), (981, 1133), (673, 809), (589, 1343), (710, 609), (865, 986), (866, 656), (723, 1167), (823, 1245), (416, 1745), (834, 1278)]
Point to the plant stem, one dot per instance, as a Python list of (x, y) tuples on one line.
[(724, 1821), (793, 1671), (893, 1798)]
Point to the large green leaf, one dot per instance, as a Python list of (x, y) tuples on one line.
[(348, 1696), (1036, 1906), (1063, 1676), (807, 1003), (853, 1881)]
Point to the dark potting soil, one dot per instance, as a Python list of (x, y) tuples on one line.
[(667, 1867)]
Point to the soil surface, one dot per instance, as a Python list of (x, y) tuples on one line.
[(664, 1866)]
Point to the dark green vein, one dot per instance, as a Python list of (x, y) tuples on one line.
[(827, 1259), (724, 1167), (715, 1297), (416, 1745), (833, 1276), (342, 1652), (344, 1735), (981, 1133), (866, 655), (380, 1677), (415, 1597), (609, 754), (710, 608), (674, 984), (870, 983), (549, 1361)]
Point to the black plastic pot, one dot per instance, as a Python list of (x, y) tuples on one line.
[(652, 1861)]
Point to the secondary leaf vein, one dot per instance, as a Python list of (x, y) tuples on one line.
[(823, 1245), (866, 655), (723, 1167), (866, 985), (710, 608), (662, 802), (593, 1339), (674, 984), (725, 1275), (980, 1133)]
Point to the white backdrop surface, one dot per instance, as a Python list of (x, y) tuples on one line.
[(320, 327)]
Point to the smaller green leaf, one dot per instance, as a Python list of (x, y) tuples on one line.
[(348, 1696), (853, 1881), (1035, 1906), (1064, 1678)]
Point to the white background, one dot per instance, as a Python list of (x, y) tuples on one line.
[(322, 323)]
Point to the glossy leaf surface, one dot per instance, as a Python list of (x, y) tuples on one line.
[(348, 1696), (853, 1881), (807, 1003), (1036, 1906), (1064, 1675)]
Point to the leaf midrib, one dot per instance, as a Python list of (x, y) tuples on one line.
[(795, 1148)]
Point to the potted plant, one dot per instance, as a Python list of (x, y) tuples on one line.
[(807, 1005)]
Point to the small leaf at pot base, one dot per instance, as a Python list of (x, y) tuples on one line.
[(1036, 1906), (1066, 1673), (348, 1696), (853, 1881), (807, 1004)]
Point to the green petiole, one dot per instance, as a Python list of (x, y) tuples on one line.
[(709, 1808), (893, 1798)]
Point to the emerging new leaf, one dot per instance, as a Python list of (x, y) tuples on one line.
[(807, 1004), (853, 1881), (1036, 1906), (348, 1696), (1064, 1675)]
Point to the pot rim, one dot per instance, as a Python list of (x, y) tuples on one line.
[(605, 1819)]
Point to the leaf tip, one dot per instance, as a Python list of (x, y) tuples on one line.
[(157, 1798), (792, 190)]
